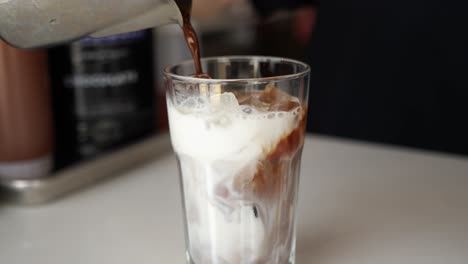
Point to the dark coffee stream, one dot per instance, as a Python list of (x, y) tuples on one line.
[(185, 7)]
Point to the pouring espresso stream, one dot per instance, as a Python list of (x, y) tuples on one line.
[(185, 7)]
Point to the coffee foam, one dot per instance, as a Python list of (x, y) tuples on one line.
[(217, 127)]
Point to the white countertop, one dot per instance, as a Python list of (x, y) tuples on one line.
[(359, 203)]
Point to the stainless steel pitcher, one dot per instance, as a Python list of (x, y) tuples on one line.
[(39, 23)]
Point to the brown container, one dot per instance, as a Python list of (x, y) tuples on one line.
[(25, 114)]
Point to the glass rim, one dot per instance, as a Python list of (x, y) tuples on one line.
[(168, 71)]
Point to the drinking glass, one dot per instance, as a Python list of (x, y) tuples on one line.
[(238, 139)]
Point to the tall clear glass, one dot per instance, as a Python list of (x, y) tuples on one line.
[(238, 139)]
